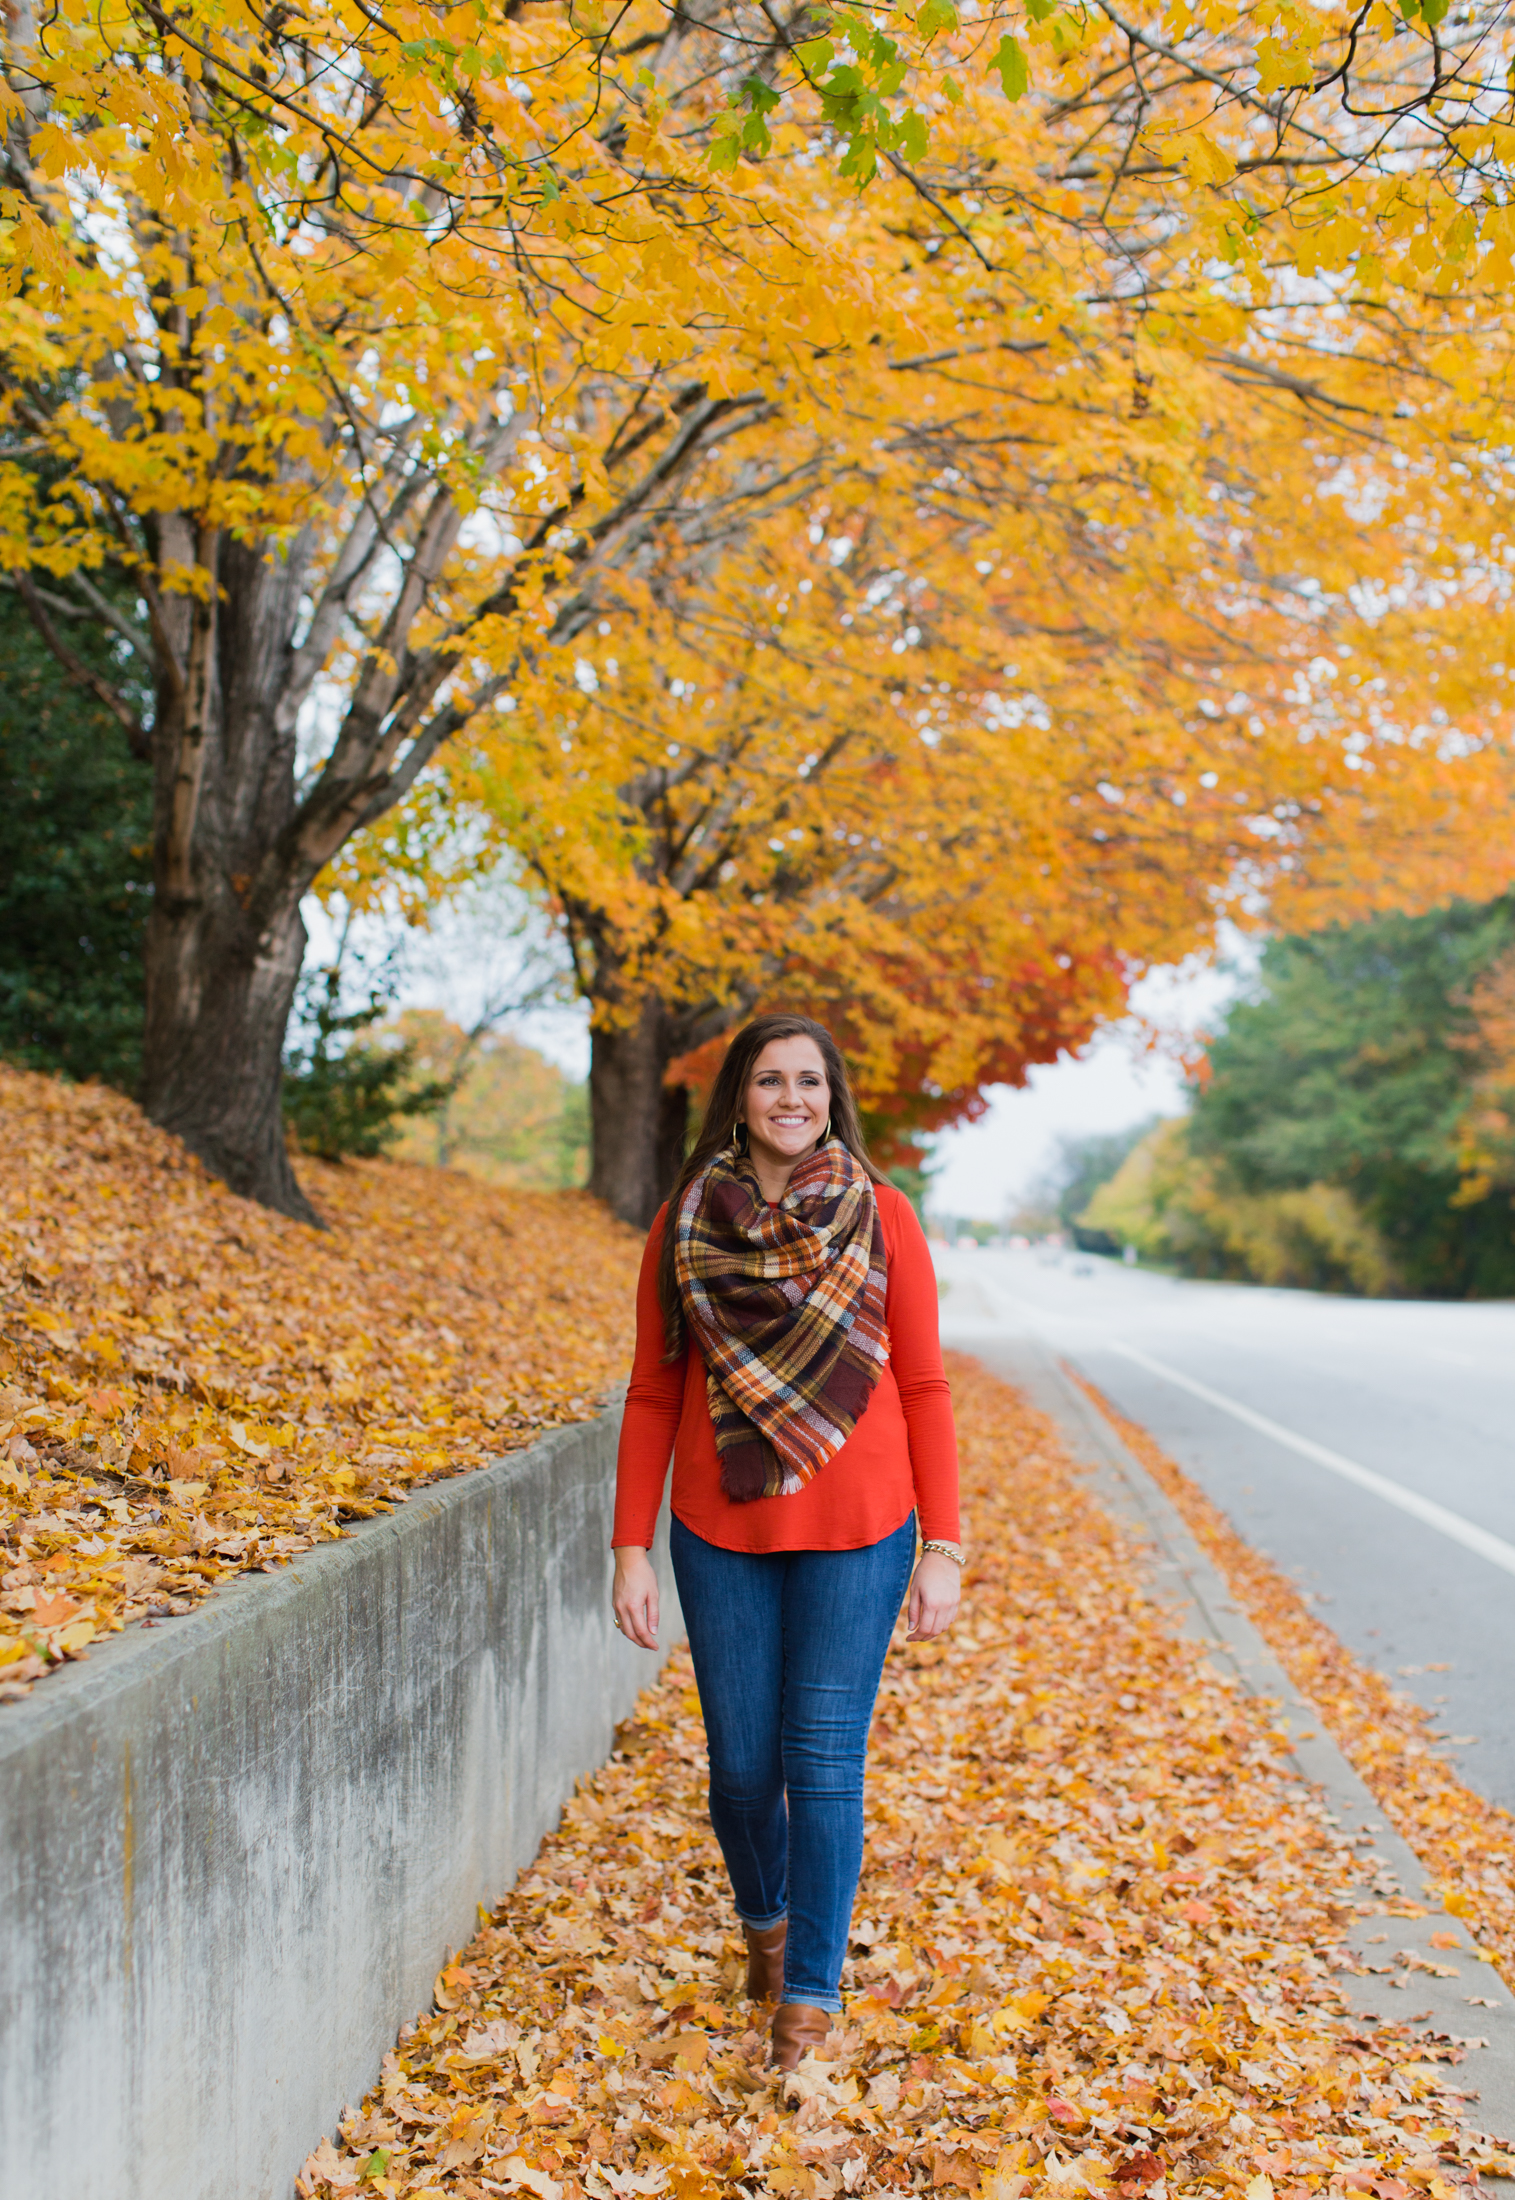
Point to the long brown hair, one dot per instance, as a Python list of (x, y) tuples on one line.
[(722, 1114)]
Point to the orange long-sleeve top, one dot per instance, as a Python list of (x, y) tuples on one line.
[(902, 1455)]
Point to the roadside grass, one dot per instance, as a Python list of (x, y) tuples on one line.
[(1466, 1844), (1094, 1949), (192, 1387)]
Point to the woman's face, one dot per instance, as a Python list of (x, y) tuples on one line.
[(787, 1101)]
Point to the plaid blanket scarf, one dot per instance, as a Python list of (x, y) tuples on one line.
[(786, 1304)]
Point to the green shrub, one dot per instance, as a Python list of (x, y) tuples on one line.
[(344, 1097)]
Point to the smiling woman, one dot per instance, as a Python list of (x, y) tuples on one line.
[(787, 1356)]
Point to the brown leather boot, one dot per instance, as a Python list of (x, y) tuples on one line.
[(765, 1960), (797, 2027)]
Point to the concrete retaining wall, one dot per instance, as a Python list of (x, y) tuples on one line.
[(235, 1850)]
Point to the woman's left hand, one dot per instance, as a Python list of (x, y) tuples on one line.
[(934, 1597)]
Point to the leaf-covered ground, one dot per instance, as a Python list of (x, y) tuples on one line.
[(1094, 1948), (1468, 1844), (191, 1387)]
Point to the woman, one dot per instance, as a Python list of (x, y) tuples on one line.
[(787, 1356)]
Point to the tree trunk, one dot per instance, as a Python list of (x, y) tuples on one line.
[(639, 1125), (218, 1000), (225, 939), (627, 1116)]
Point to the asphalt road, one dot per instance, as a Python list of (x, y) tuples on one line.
[(1366, 1446)]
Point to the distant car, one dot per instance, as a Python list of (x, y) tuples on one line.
[(1094, 1241)]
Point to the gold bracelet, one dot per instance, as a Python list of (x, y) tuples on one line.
[(954, 1551)]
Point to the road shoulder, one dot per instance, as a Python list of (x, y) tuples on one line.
[(1204, 1609)]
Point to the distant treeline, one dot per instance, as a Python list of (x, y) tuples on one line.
[(1354, 1128)]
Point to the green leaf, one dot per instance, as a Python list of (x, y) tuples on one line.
[(376, 2165), (934, 16), (760, 97), (1010, 60), (912, 136), (725, 148), (815, 55), (1039, 10), (861, 162), (858, 33)]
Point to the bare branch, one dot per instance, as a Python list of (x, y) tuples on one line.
[(83, 675)]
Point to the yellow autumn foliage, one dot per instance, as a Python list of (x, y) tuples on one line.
[(514, 1117), (1182, 1208), (947, 595)]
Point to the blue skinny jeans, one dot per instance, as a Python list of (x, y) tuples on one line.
[(788, 1649)]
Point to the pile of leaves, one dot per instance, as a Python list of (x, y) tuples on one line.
[(192, 1387), (1093, 1949), (1466, 1844)]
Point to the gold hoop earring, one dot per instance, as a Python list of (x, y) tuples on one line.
[(826, 1133), (739, 1138)]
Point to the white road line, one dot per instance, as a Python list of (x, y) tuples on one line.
[(1450, 1524)]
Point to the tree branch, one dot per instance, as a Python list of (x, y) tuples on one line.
[(83, 675)]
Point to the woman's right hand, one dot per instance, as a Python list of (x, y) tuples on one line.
[(634, 1598)]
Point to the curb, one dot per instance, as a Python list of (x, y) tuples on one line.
[(1203, 1608)]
